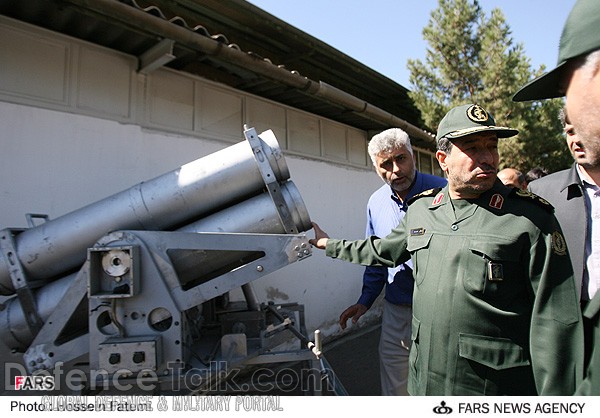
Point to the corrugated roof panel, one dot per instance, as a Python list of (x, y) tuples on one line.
[(239, 25)]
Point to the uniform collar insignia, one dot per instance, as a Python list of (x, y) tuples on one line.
[(496, 201), (438, 199)]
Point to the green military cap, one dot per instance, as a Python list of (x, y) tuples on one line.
[(469, 119), (580, 35)]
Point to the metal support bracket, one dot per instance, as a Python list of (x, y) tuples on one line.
[(270, 180), (20, 282), (157, 56), (31, 216), (45, 351)]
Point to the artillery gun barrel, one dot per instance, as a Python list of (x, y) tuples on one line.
[(206, 185)]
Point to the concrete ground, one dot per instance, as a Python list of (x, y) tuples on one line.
[(353, 358)]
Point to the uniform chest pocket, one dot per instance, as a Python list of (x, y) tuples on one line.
[(418, 247), (493, 270)]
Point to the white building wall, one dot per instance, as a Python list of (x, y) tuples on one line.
[(53, 162)]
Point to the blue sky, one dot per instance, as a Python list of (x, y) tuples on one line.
[(384, 34)]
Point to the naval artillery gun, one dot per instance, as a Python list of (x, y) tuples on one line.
[(131, 291)]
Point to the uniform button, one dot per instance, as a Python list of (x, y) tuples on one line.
[(454, 227)]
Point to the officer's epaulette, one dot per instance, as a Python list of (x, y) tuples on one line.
[(430, 192), (525, 194)]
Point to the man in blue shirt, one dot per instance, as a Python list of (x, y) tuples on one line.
[(392, 156)]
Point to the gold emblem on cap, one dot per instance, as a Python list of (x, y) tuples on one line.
[(477, 113)]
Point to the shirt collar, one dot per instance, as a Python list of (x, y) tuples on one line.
[(586, 181)]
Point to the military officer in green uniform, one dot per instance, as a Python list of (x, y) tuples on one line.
[(577, 77), (495, 310)]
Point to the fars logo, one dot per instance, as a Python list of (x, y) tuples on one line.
[(34, 382)]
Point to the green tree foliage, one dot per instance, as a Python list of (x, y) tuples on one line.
[(471, 58)]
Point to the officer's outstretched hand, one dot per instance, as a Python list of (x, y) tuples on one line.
[(354, 312), (321, 237)]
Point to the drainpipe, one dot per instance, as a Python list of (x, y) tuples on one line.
[(340, 97), (131, 17)]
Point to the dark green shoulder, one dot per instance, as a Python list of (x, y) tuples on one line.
[(532, 197), (430, 192)]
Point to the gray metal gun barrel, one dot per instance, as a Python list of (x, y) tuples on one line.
[(15, 332), (255, 215), (176, 198)]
